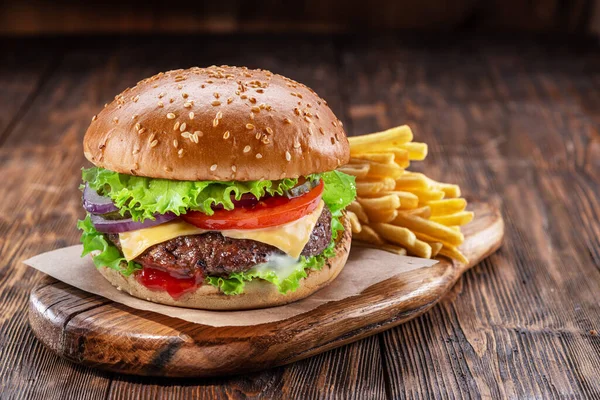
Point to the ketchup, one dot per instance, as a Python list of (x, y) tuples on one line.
[(157, 279)]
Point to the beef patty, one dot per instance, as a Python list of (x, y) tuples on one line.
[(213, 254)]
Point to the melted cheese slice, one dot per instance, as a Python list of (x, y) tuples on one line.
[(289, 238)]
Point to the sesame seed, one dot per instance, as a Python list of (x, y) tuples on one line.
[(171, 116), (243, 97), (176, 143), (297, 111), (171, 100), (135, 151), (176, 126), (219, 115), (136, 98), (180, 153), (215, 122), (161, 95), (229, 100), (213, 167), (332, 140), (94, 118), (187, 104), (288, 156), (265, 140), (247, 149), (310, 131), (260, 91), (226, 135), (334, 123), (258, 155), (151, 138), (116, 120), (191, 115), (255, 109), (184, 95), (185, 135), (257, 135), (251, 115), (138, 126), (252, 100), (142, 131), (216, 95), (321, 130), (182, 127), (154, 143), (168, 169), (287, 121), (340, 122), (249, 126), (296, 145), (269, 130), (134, 116), (216, 103), (194, 138), (198, 133), (307, 119), (160, 104), (233, 168), (180, 86)]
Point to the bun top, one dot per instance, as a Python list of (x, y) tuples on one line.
[(217, 123)]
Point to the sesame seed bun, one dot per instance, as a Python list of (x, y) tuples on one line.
[(257, 293), (217, 123)]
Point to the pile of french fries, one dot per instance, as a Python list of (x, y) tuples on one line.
[(397, 210)]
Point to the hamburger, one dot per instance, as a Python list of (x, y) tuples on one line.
[(216, 188)]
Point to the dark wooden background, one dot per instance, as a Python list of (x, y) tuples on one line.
[(512, 120)]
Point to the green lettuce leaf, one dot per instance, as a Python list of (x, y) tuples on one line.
[(104, 253), (143, 197), (340, 190)]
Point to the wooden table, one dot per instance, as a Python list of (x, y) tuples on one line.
[(515, 121)]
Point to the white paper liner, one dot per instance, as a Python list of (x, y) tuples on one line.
[(365, 267)]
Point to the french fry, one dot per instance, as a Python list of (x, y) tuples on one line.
[(455, 254), (393, 137), (357, 209), (381, 215), (459, 218), (416, 151), (452, 191), (369, 188), (372, 187), (436, 247), (410, 180), (423, 212), (385, 158), (404, 238), (427, 195), (359, 171), (446, 206), (368, 235), (433, 229), (401, 251), (387, 202), (430, 239), (354, 223), (407, 200), (381, 170)]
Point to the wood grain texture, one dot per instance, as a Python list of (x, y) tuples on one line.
[(514, 120), (111, 336)]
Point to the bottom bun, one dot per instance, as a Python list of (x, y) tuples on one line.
[(257, 293)]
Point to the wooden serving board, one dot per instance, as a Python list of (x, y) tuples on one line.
[(95, 331)]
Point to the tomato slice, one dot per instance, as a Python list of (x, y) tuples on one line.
[(270, 211)]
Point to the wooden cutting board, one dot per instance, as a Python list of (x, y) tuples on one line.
[(95, 331)]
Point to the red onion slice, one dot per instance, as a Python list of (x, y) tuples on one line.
[(125, 225), (95, 203)]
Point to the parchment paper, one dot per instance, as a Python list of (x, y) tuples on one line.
[(365, 267)]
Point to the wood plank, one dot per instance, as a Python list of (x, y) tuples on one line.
[(515, 124), (25, 67)]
